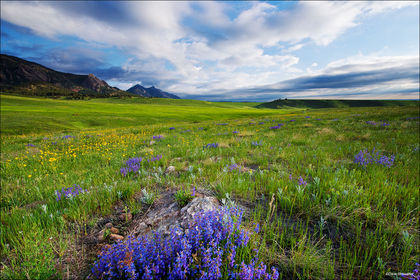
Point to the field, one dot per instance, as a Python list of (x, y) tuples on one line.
[(335, 191)]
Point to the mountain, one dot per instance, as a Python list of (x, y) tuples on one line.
[(20, 75), (151, 92)]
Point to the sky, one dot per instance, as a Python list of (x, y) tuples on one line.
[(233, 50)]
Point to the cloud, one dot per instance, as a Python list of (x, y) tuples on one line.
[(189, 47), (362, 77)]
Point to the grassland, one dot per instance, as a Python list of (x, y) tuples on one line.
[(347, 222), (317, 104), (27, 115)]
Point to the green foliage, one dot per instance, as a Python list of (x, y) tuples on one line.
[(183, 197)]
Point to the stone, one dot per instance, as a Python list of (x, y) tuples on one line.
[(126, 217), (167, 215), (108, 225), (114, 230), (116, 237), (101, 235), (170, 169)]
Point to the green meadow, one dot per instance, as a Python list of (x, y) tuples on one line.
[(321, 214)]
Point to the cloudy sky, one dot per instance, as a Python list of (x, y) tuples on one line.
[(255, 51)]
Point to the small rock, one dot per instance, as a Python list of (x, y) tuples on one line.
[(152, 142), (114, 230), (170, 169), (141, 227), (101, 235), (116, 237), (108, 225), (126, 217)]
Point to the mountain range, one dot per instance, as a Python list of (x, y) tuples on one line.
[(151, 92), (26, 77)]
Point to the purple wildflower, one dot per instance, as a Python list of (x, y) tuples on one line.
[(365, 158), (301, 182), (211, 145), (215, 236), (69, 192)]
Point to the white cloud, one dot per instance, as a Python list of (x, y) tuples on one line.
[(209, 50)]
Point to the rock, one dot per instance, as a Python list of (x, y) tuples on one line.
[(108, 225), (116, 237), (142, 226), (101, 235), (114, 230), (167, 215), (152, 142), (170, 169), (126, 217)]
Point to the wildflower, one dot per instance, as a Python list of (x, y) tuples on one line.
[(256, 144), (70, 192), (157, 137), (301, 182), (209, 236), (30, 145), (365, 158), (211, 145)]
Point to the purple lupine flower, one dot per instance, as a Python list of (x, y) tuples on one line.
[(235, 132), (214, 235), (70, 192), (30, 145), (364, 158), (307, 117), (132, 165), (211, 145), (371, 122), (67, 137), (171, 128), (301, 182), (157, 137), (256, 144), (292, 120)]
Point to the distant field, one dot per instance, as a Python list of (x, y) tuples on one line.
[(27, 114), (317, 104)]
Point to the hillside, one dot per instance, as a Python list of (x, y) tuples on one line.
[(316, 104), (21, 115), (26, 77), (151, 92)]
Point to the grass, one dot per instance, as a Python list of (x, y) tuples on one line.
[(22, 115), (347, 222), (316, 104)]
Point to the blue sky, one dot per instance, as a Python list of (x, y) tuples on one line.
[(255, 51)]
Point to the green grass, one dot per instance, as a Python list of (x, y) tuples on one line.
[(27, 115), (349, 222), (316, 104)]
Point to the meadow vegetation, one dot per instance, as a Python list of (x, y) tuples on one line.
[(334, 192)]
